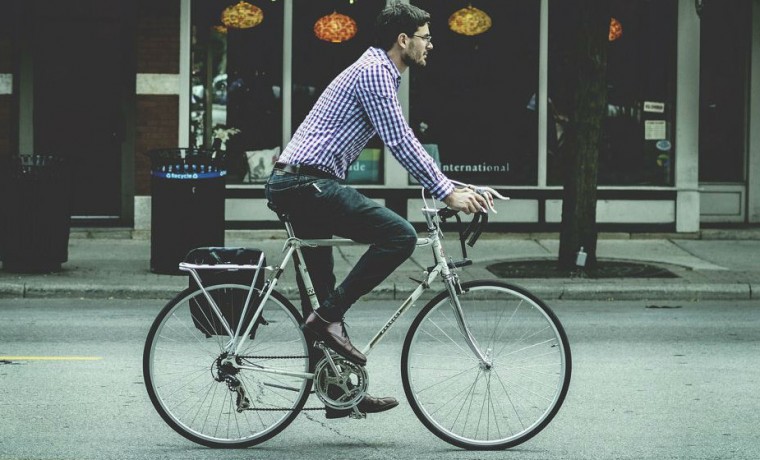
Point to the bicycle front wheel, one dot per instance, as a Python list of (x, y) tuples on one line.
[(503, 401), (200, 397)]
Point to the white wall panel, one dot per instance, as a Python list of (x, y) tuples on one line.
[(622, 211)]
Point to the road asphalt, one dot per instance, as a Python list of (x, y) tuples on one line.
[(710, 264)]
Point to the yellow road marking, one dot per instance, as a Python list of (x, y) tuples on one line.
[(50, 358)]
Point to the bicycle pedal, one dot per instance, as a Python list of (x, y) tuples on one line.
[(357, 414)]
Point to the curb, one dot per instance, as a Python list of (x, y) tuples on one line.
[(686, 292), (85, 291), (542, 289)]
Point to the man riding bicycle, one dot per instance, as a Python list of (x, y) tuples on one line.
[(307, 181)]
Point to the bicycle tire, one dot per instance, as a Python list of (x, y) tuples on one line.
[(179, 368), (522, 396)]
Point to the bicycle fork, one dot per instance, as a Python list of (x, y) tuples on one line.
[(454, 289), (451, 280)]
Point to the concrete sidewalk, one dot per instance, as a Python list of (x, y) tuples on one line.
[(714, 264)]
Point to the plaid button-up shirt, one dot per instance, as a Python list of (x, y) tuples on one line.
[(360, 102)]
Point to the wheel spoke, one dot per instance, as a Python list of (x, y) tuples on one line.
[(513, 393), (189, 384)]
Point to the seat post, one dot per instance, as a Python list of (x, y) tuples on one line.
[(289, 229), (284, 218)]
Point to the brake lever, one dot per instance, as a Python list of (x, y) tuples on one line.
[(472, 226), (489, 195), (484, 189), (478, 230)]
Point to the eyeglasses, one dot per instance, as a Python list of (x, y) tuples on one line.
[(428, 38)]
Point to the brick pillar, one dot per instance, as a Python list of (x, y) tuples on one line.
[(8, 115), (157, 111)]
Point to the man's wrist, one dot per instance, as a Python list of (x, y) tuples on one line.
[(449, 199), (446, 191)]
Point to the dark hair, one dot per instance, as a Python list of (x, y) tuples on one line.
[(398, 18)]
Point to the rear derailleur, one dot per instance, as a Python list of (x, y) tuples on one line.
[(224, 371)]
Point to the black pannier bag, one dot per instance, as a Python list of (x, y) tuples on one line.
[(230, 302)]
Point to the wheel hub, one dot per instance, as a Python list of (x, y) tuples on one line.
[(487, 363)]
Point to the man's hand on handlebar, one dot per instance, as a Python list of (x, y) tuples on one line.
[(468, 201)]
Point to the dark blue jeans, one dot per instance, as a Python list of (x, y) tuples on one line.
[(323, 208)]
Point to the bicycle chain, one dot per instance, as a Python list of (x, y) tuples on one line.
[(272, 357), (275, 409)]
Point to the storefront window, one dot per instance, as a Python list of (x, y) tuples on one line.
[(317, 61), (724, 70), (638, 133), (236, 87), (465, 110)]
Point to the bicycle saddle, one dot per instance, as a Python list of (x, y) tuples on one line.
[(284, 217)]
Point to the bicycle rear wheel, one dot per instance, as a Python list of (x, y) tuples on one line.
[(494, 406), (191, 390)]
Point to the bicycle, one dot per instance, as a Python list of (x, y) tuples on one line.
[(485, 364)]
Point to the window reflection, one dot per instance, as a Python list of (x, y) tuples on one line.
[(316, 62), (236, 88), (638, 133), (724, 67), (466, 111)]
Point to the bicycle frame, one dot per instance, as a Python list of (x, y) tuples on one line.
[(292, 250)]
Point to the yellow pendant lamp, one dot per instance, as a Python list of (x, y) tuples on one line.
[(469, 21), (335, 28), (242, 16)]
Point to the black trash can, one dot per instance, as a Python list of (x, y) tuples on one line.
[(35, 213), (187, 204)]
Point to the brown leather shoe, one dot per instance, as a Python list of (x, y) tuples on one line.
[(334, 337), (368, 405)]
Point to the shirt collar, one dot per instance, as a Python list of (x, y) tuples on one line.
[(382, 56)]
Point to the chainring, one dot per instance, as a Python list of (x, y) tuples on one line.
[(343, 391)]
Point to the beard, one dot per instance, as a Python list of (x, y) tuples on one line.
[(411, 62)]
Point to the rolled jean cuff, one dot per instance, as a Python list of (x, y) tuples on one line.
[(330, 314)]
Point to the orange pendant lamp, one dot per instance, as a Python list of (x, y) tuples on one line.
[(242, 16), (335, 28), (616, 30), (469, 21)]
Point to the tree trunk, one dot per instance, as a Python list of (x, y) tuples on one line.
[(588, 76)]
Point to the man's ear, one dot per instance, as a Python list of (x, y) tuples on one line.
[(402, 40)]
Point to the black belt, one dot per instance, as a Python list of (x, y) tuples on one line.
[(305, 170)]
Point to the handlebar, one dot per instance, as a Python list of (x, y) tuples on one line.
[(487, 192), (471, 234), (472, 231)]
